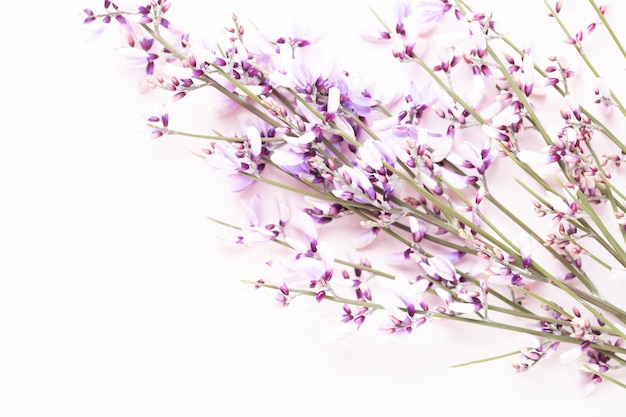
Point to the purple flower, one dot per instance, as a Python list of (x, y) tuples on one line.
[(293, 161), (440, 268), (374, 153), (353, 184), (138, 57), (354, 97), (472, 157), (410, 293)]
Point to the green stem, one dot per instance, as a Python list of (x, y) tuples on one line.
[(212, 137), (608, 27), (489, 359), (605, 376), (597, 123), (585, 300), (616, 250), (431, 314), (583, 56), (322, 119)]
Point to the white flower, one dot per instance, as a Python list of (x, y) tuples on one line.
[(525, 340), (301, 140), (333, 100), (540, 162), (571, 356)]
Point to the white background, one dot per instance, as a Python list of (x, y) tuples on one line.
[(116, 299)]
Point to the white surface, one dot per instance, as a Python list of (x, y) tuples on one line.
[(117, 300)]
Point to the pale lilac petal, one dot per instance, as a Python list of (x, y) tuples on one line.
[(254, 236), (418, 229), (333, 100), (221, 163), (134, 57), (286, 158), (301, 140), (508, 116), (284, 211), (396, 258), (523, 239), (93, 30), (457, 181), (297, 245), (462, 308), (325, 252), (254, 139), (444, 295), (370, 155), (533, 158), (571, 355), (588, 388), (365, 238), (311, 268), (306, 225), (491, 109), (500, 280), (454, 256), (177, 71), (342, 331), (602, 88), (442, 148), (344, 127), (529, 74), (281, 79), (525, 340), (252, 208), (439, 265), (240, 182)]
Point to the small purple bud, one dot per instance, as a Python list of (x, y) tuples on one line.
[(410, 309), (283, 289), (178, 96), (558, 6)]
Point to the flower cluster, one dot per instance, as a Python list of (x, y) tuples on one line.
[(431, 168)]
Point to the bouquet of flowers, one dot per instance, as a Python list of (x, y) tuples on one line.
[(435, 176)]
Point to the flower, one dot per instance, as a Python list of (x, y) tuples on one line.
[(438, 185)]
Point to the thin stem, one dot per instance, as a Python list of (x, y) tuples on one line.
[(605, 376), (431, 314), (616, 250), (596, 122), (211, 137), (489, 359), (581, 53), (608, 27)]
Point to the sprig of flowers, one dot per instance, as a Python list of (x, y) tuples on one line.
[(422, 170)]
